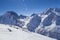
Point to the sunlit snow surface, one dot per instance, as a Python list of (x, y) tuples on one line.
[(19, 34)]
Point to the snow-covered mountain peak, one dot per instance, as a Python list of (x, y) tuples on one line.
[(54, 10), (57, 9), (50, 23)]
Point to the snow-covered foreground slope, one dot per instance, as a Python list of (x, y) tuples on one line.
[(14, 33)]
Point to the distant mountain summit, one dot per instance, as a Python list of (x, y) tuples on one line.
[(33, 14), (11, 13), (54, 10), (53, 14), (10, 18), (22, 16)]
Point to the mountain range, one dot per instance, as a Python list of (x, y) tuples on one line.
[(46, 23)]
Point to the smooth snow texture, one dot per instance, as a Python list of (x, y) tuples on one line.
[(18, 34)]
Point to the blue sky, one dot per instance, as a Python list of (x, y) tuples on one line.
[(27, 7)]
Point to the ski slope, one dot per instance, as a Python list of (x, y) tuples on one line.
[(19, 34)]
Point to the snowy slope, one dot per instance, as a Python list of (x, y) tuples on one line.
[(19, 34)]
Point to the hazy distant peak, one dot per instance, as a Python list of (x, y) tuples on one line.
[(22, 16), (33, 14), (11, 13), (52, 10)]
